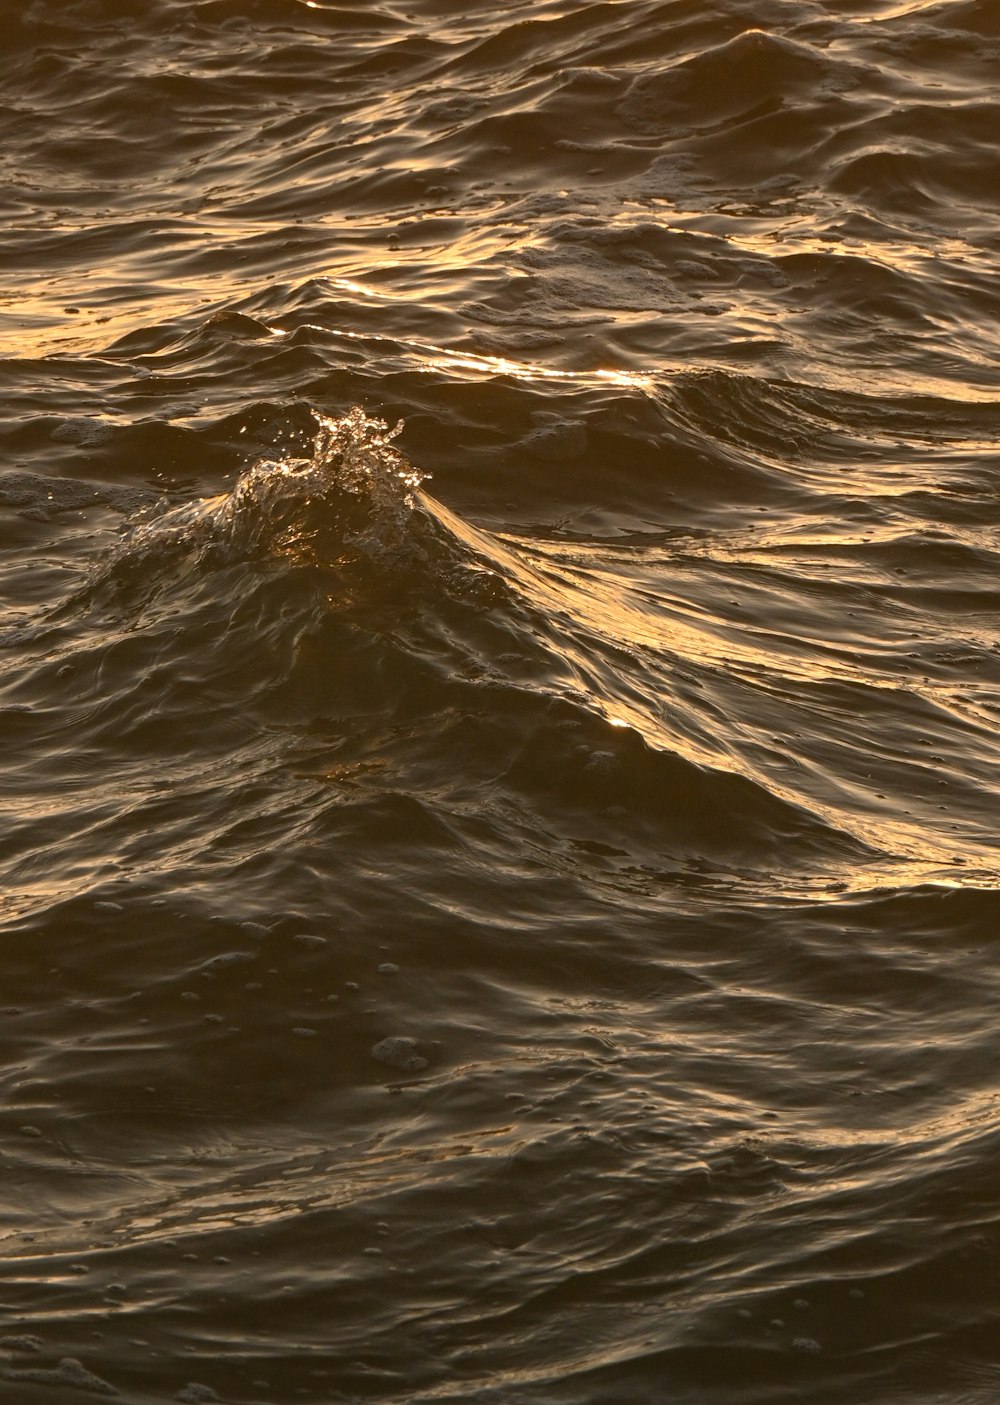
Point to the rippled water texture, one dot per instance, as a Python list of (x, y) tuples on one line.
[(499, 694)]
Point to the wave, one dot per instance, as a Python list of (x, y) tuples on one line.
[(353, 495), (409, 659), (594, 701), (750, 76)]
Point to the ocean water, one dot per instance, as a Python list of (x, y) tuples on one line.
[(500, 699)]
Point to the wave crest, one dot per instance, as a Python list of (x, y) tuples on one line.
[(352, 496)]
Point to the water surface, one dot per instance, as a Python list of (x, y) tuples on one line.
[(499, 690)]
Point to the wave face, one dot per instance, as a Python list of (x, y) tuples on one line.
[(499, 689)]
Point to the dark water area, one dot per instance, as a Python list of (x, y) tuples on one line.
[(500, 700)]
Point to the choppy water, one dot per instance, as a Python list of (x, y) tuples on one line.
[(501, 908)]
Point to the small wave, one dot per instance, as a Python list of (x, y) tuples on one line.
[(752, 73)]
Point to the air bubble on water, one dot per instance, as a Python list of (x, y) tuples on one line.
[(399, 1051), (388, 968), (227, 958), (807, 1345), (196, 1394), (309, 939), (69, 1372)]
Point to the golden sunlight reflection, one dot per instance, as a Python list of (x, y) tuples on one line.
[(773, 235), (351, 285), (634, 606), (45, 327), (446, 358)]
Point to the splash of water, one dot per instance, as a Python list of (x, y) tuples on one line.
[(353, 495)]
